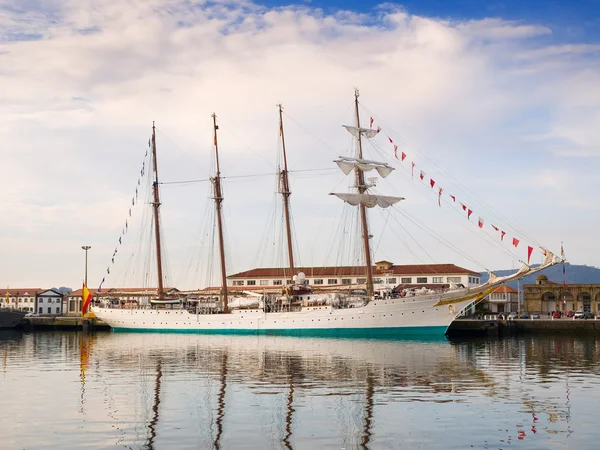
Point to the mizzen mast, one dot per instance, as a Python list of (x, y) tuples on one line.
[(285, 192), (156, 206), (362, 188), (218, 198)]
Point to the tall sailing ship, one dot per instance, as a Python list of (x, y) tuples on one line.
[(298, 309)]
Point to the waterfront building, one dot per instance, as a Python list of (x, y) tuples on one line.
[(386, 276), (23, 299), (545, 296), (49, 301), (503, 299)]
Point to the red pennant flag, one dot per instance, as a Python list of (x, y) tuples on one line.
[(422, 175), (403, 156), (469, 214), (440, 197), (495, 227), (371, 123), (412, 170), (391, 142), (464, 207), (480, 222), (378, 129), (431, 182), (529, 251), (502, 233), (515, 242), (396, 151), (453, 198)]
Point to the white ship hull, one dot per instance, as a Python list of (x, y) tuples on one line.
[(381, 317)]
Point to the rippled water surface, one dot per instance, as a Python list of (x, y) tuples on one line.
[(173, 391)]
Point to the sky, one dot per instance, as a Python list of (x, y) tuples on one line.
[(498, 104)]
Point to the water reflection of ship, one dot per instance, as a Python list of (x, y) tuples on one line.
[(292, 367)]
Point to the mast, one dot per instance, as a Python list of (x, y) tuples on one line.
[(155, 206), (218, 197), (362, 188), (285, 192)]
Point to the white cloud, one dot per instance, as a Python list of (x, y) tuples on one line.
[(82, 84)]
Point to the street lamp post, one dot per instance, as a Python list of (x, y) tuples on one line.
[(86, 248)]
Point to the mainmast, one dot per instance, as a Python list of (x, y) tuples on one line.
[(362, 188), (218, 197), (285, 192), (155, 206)]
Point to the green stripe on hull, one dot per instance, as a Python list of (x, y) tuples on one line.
[(372, 333)]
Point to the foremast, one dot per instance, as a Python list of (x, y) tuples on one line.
[(285, 193), (218, 198), (156, 207), (362, 188)]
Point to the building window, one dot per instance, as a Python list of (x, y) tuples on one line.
[(41, 300), (238, 282), (438, 280), (377, 281), (49, 310), (361, 280), (264, 282), (41, 310), (390, 281), (332, 281), (277, 283), (346, 280), (288, 281), (319, 281), (422, 280), (454, 279), (57, 310), (406, 280), (251, 282)]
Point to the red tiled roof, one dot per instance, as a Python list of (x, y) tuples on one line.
[(340, 271), (21, 291), (505, 290)]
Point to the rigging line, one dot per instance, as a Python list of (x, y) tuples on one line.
[(486, 235), (437, 237), (185, 181), (485, 205), (248, 147), (413, 238), (183, 152)]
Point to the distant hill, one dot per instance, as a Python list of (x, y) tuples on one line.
[(575, 274)]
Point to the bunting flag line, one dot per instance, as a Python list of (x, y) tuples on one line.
[(432, 183), (371, 123), (100, 287)]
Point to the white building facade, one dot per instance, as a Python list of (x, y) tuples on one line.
[(50, 302), (386, 276), (23, 299)]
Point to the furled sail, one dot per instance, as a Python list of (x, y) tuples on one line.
[(368, 200), (365, 132), (347, 164)]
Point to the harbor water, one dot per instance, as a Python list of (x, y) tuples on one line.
[(71, 390)]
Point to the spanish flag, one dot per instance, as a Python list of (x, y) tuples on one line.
[(86, 297)]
